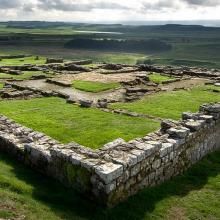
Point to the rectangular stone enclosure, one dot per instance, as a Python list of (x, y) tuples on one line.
[(119, 169)]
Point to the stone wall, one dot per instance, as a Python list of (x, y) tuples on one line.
[(119, 169)]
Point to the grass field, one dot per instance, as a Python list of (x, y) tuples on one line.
[(158, 78), (191, 45), (25, 75), (5, 76), (1, 85), (171, 104), (95, 87), (24, 194), (201, 54), (66, 123), (58, 51), (213, 88), (22, 61)]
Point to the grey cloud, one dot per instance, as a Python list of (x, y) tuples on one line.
[(87, 6), (7, 4), (28, 8), (210, 3), (160, 5), (76, 6), (176, 4)]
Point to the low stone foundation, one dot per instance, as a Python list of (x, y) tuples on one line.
[(119, 169)]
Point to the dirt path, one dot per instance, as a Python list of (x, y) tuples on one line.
[(112, 95), (98, 77), (188, 83), (117, 95)]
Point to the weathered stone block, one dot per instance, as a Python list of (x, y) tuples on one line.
[(156, 164), (85, 103), (121, 157), (110, 187), (109, 171), (113, 144), (90, 163), (194, 125), (207, 118), (180, 132), (135, 170), (147, 148), (76, 159), (166, 149), (140, 154)]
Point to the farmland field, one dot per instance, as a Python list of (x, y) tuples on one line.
[(193, 46)]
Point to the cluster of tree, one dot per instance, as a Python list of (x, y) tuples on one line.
[(35, 24), (48, 24), (145, 61), (9, 38), (119, 45), (159, 28)]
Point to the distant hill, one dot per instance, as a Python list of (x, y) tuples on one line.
[(107, 27), (34, 24)]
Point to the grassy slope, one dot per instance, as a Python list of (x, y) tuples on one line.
[(171, 104), (22, 61), (25, 75), (43, 31), (5, 76), (124, 58), (1, 85), (59, 51), (190, 47), (212, 87), (157, 78), (24, 193), (204, 54), (89, 86), (90, 127)]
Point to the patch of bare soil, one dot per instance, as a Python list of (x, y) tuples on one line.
[(98, 77), (115, 95), (176, 213), (184, 84)]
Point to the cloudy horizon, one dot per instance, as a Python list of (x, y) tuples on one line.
[(110, 11)]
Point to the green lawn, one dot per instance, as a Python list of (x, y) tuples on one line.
[(25, 75), (201, 54), (5, 76), (66, 123), (95, 87), (158, 78), (1, 85), (57, 50), (171, 104), (124, 58), (212, 87), (22, 61), (24, 194)]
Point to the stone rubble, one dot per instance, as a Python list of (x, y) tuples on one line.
[(54, 60), (12, 93), (181, 71)]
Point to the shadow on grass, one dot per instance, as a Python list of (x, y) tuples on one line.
[(67, 204)]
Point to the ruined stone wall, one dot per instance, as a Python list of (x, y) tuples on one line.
[(119, 169)]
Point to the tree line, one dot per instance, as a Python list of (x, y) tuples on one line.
[(150, 45)]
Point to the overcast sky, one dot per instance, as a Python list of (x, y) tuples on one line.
[(109, 10)]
